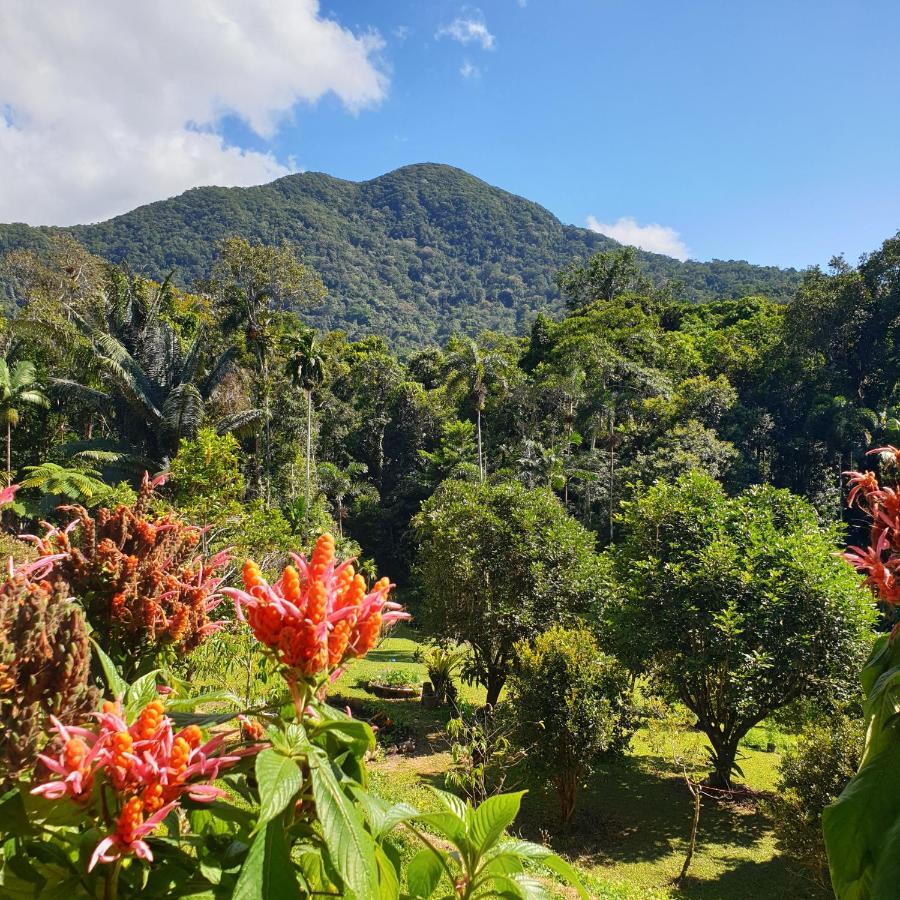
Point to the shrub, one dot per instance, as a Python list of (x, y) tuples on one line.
[(44, 665), (139, 578), (813, 774), (571, 704)]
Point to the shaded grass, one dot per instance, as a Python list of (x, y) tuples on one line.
[(629, 833)]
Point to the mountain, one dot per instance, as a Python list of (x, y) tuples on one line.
[(413, 255)]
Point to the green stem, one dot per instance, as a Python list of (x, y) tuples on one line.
[(111, 891)]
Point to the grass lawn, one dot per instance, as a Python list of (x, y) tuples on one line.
[(629, 832)]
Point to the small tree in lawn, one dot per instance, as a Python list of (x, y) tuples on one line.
[(498, 564), (571, 705), (739, 604)]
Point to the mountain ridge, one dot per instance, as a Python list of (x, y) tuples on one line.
[(415, 254)]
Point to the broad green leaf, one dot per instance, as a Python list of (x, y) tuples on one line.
[(423, 873), (388, 876), (279, 779), (350, 846), (267, 873), (453, 803), (492, 818), (13, 816), (116, 682), (139, 694), (447, 825), (187, 704)]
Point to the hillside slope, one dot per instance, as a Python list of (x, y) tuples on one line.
[(413, 255)]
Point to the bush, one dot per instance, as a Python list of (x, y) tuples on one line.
[(813, 774), (571, 705)]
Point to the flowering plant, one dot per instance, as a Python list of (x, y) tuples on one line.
[(862, 827), (143, 586), (136, 798)]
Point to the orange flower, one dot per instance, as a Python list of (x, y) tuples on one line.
[(317, 614)]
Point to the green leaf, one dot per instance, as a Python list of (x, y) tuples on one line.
[(350, 846), (279, 779), (388, 876), (423, 873), (268, 873), (139, 694), (453, 803), (116, 682), (492, 818)]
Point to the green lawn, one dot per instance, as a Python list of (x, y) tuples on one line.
[(629, 832)]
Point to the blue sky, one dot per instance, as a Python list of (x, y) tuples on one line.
[(758, 130), (764, 130)]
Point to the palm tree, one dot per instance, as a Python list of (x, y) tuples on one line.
[(306, 370), (476, 371), (154, 386), (18, 387)]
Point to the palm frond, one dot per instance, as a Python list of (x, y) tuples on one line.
[(183, 411), (218, 371), (240, 423), (89, 395)]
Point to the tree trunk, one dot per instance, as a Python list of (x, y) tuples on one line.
[(567, 789), (695, 825), (8, 453), (480, 457), (308, 453), (725, 750), (495, 682)]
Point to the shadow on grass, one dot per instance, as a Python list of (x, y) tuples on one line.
[(772, 879), (628, 813)]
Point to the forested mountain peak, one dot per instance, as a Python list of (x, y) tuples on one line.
[(415, 255)]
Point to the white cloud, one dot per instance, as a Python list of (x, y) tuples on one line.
[(467, 70), (109, 104), (469, 28), (655, 238)]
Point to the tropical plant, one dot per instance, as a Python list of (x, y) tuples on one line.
[(18, 387), (571, 706), (57, 483), (498, 564), (442, 663), (476, 371), (738, 605), (155, 385), (306, 370), (44, 664), (862, 826), (144, 588), (305, 823)]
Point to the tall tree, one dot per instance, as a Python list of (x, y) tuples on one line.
[(252, 282), (18, 387), (306, 370), (475, 371), (500, 564)]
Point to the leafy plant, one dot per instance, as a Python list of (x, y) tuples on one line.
[(397, 678), (443, 662), (143, 586), (482, 863), (44, 663), (571, 706), (484, 757), (862, 827), (812, 775)]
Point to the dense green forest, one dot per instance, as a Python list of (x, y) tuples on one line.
[(413, 256), (617, 535)]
